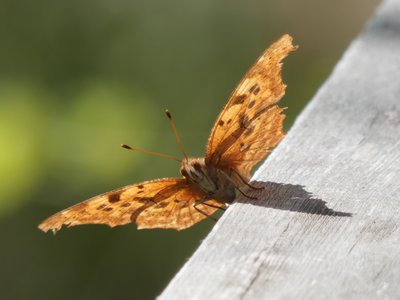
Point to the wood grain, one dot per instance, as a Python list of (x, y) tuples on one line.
[(327, 223)]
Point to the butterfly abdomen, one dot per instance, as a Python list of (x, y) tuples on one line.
[(213, 181)]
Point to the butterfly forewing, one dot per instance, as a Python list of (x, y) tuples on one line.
[(165, 203), (251, 121)]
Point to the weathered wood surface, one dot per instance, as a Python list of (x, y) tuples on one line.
[(328, 222)]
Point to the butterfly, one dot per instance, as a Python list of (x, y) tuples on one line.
[(250, 124)]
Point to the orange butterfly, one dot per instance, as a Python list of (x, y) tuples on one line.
[(248, 126)]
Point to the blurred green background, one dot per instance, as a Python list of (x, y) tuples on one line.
[(78, 78)]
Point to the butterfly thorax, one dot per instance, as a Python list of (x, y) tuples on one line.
[(212, 180)]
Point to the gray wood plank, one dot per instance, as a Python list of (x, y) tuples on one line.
[(327, 223)]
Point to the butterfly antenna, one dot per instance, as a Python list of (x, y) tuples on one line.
[(175, 132), (150, 152)]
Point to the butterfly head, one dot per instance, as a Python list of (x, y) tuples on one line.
[(196, 171), (193, 168), (210, 179)]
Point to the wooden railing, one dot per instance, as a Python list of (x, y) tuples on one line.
[(326, 226)]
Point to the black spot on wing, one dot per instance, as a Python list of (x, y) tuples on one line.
[(255, 89), (145, 200), (114, 197), (239, 99), (100, 207), (251, 104)]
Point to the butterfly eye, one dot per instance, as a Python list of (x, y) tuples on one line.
[(184, 173), (197, 167)]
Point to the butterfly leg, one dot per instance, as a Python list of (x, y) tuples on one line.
[(215, 206), (203, 201), (245, 182), (247, 196)]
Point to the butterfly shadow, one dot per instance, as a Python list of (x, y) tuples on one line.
[(289, 197)]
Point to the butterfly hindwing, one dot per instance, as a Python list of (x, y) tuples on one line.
[(251, 121), (175, 209)]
